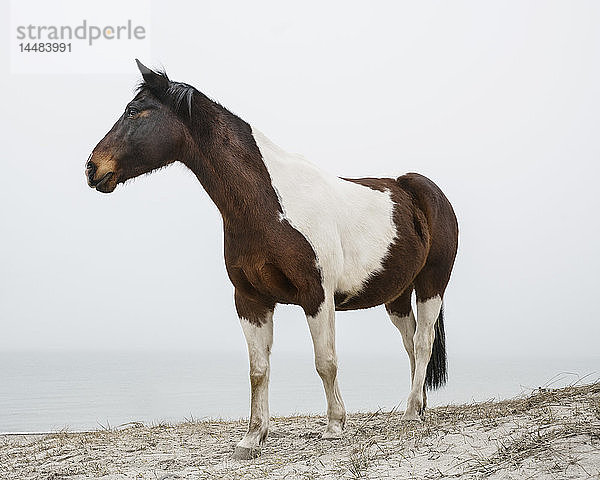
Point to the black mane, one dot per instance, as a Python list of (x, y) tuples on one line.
[(175, 95), (183, 99)]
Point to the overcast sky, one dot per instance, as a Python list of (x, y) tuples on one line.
[(497, 102)]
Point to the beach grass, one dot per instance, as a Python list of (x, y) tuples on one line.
[(549, 434)]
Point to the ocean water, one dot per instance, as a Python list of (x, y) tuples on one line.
[(42, 392)]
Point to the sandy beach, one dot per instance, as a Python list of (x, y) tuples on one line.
[(551, 434)]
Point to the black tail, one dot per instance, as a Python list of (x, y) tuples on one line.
[(437, 369)]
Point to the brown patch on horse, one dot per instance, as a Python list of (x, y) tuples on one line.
[(267, 259), (401, 306), (253, 310), (406, 255), (443, 228), (424, 249)]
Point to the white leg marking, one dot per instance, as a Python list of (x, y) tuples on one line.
[(259, 340), (407, 326), (322, 330), (427, 314)]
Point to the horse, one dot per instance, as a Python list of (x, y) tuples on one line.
[(294, 234)]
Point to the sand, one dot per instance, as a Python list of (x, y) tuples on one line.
[(551, 434)]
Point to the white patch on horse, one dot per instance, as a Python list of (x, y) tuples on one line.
[(349, 226)]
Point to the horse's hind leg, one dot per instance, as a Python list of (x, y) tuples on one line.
[(429, 338), (440, 232), (427, 314), (403, 318)]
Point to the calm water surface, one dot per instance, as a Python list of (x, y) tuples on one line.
[(80, 391)]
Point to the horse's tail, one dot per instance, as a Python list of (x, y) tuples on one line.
[(437, 369)]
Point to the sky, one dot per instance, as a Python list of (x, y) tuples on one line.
[(497, 102)]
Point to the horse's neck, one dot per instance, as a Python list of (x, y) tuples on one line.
[(229, 165)]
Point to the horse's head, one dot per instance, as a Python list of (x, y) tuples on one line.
[(148, 135)]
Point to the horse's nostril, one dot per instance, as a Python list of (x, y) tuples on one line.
[(91, 168)]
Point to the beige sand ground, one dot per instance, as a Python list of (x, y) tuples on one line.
[(552, 434)]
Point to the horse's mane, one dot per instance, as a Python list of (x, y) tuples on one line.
[(175, 95)]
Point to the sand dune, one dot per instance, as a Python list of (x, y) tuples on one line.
[(551, 434)]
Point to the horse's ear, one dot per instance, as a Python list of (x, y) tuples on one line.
[(157, 82)]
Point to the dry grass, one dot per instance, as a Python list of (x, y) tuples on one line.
[(551, 434)]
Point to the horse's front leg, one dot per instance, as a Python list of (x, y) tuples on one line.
[(322, 330), (257, 324)]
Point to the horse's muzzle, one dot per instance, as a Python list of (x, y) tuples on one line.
[(94, 181)]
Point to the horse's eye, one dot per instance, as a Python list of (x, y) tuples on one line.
[(132, 112)]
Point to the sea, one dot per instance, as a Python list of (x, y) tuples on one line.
[(82, 391)]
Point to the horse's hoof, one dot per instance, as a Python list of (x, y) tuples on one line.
[(333, 432), (245, 453), (331, 436), (411, 417)]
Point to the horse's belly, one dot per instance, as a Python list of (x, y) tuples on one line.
[(373, 294), (396, 274)]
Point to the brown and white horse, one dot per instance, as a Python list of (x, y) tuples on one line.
[(297, 235)]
